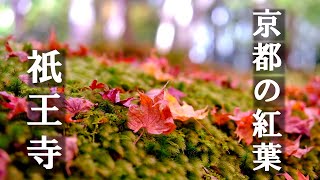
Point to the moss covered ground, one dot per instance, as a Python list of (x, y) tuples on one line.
[(106, 144)]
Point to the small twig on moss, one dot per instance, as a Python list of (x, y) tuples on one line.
[(135, 142), (204, 127)]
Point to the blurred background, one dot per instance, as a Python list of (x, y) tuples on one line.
[(217, 31)]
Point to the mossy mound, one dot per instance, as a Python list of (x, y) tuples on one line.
[(107, 149)]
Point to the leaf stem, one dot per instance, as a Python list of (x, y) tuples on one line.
[(204, 127), (135, 142)]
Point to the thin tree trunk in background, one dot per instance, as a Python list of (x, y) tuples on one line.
[(124, 6), (19, 20), (290, 32)]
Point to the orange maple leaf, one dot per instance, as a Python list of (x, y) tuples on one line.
[(151, 116), (221, 117), (184, 112), (153, 69), (244, 122)]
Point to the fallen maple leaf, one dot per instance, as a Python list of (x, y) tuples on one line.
[(37, 45), (173, 91), (288, 177), (113, 95), (312, 112), (313, 91), (23, 56), (295, 124), (54, 44), (18, 106), (95, 85), (4, 161), (126, 102), (26, 79), (130, 59), (151, 116), (244, 125), (152, 68), (185, 111), (71, 151), (75, 106), (221, 117), (294, 92), (292, 148), (176, 93), (58, 90), (302, 177), (82, 51)]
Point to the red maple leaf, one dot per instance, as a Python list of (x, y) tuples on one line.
[(81, 51), (54, 44), (151, 116), (221, 117), (95, 85), (23, 56), (18, 105), (130, 59), (292, 148), (244, 125), (113, 95)]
